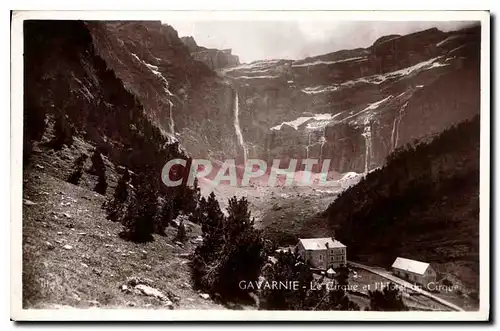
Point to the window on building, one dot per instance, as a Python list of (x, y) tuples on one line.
[(321, 257)]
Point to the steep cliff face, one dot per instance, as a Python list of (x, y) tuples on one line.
[(214, 58), (356, 106), (352, 106), (67, 80), (182, 96)]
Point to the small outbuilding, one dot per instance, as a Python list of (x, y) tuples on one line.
[(416, 272)]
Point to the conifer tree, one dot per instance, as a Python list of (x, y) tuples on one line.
[(181, 232), (140, 218), (115, 206), (232, 249), (389, 299), (63, 132), (76, 175)]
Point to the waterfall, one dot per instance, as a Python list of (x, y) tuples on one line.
[(367, 134), (171, 123), (395, 127), (308, 144), (393, 134), (323, 141), (237, 128)]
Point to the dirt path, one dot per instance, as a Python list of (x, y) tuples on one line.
[(406, 284)]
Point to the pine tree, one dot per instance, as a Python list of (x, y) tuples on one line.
[(232, 249), (166, 215), (389, 299), (242, 242), (312, 294), (101, 185), (140, 219), (76, 175), (120, 196), (181, 232), (211, 219), (34, 127), (63, 132), (121, 190), (98, 167), (288, 266)]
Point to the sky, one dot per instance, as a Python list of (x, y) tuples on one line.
[(261, 40)]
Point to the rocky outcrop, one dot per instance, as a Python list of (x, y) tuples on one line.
[(190, 44), (357, 106), (214, 58)]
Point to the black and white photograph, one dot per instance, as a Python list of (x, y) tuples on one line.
[(250, 165)]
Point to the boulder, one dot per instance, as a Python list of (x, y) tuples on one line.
[(27, 202)]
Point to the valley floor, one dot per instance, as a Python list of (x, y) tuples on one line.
[(279, 211)]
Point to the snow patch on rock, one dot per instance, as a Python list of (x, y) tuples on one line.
[(320, 89), (379, 79), (350, 179), (319, 62)]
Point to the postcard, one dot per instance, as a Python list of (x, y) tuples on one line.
[(250, 165)]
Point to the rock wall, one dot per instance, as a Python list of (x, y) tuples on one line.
[(213, 58), (357, 106), (352, 106), (184, 97)]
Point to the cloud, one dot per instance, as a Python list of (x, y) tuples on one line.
[(258, 40)]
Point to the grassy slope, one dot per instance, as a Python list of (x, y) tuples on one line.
[(283, 220), (99, 262)]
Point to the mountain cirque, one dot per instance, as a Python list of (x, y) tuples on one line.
[(351, 106), (356, 106)]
